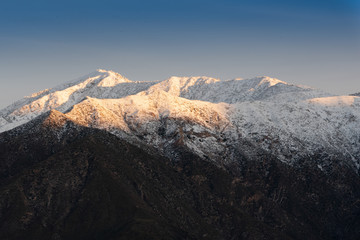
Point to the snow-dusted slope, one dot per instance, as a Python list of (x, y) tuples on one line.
[(157, 118), (108, 84), (210, 117), (99, 84), (329, 126), (290, 131), (336, 101), (237, 90)]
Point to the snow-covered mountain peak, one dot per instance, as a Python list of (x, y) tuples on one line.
[(270, 81), (103, 70), (100, 77), (111, 79), (236, 90), (179, 85), (99, 84), (258, 82)]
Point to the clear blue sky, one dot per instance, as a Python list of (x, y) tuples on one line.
[(46, 42)]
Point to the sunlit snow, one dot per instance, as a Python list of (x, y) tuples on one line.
[(208, 115)]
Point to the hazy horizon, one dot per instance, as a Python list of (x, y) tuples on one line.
[(44, 44)]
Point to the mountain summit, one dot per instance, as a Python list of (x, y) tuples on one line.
[(99, 84)]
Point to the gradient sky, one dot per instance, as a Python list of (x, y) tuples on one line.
[(44, 43)]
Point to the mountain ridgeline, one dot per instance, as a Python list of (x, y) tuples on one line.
[(103, 157)]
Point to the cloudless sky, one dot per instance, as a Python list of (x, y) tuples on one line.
[(44, 43)]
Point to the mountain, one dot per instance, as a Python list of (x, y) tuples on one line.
[(61, 180), (99, 84), (104, 84), (209, 116), (236, 90), (355, 94), (104, 157)]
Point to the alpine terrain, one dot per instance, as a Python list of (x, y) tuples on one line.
[(104, 157)]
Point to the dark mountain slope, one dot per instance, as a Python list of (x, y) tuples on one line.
[(90, 184), (63, 181)]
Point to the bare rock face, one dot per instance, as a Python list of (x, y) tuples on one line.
[(60, 180)]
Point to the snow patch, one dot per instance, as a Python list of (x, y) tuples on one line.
[(336, 101)]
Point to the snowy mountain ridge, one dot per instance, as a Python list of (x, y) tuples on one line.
[(208, 116), (99, 84), (236, 90)]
